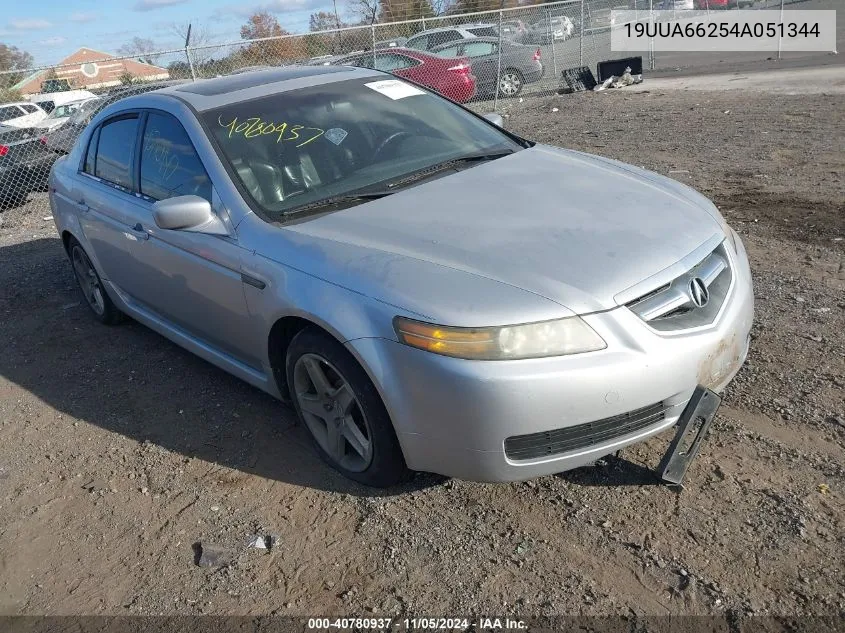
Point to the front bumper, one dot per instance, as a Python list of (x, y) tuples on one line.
[(452, 416)]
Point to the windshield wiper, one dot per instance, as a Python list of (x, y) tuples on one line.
[(392, 187), (476, 157), (334, 200)]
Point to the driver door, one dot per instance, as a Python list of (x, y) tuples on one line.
[(192, 280)]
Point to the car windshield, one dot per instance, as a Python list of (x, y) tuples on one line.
[(66, 110), (367, 136), (84, 113)]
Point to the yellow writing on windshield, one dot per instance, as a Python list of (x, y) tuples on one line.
[(255, 126)]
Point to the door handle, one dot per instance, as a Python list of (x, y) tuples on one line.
[(83, 207), (139, 232)]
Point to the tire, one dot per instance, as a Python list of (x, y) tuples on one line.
[(346, 418), (510, 83), (91, 286)]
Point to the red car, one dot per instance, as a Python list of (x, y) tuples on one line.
[(711, 4), (451, 77)]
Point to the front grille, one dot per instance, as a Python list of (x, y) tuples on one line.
[(580, 436), (670, 307)]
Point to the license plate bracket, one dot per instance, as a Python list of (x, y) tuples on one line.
[(691, 428)]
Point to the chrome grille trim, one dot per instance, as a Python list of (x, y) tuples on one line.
[(567, 439), (671, 308)]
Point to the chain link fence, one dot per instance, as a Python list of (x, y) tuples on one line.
[(478, 59)]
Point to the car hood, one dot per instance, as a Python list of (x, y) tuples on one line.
[(573, 228)]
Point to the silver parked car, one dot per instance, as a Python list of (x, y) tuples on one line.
[(430, 291), (518, 65)]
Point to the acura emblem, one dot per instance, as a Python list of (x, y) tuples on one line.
[(698, 292)]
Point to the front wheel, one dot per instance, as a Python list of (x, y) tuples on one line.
[(510, 83), (343, 412)]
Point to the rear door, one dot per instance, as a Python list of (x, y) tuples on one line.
[(485, 63), (106, 203)]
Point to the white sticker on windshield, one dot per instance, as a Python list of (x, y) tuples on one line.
[(394, 88), (336, 135)]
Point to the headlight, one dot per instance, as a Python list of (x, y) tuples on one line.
[(531, 340), (730, 234)]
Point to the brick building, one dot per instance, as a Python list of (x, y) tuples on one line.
[(83, 70)]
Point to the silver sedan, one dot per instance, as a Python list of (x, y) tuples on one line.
[(430, 291)]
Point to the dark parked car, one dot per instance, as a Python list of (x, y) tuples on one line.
[(25, 164), (520, 64), (452, 78)]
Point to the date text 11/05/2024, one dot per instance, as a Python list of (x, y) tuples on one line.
[(417, 624)]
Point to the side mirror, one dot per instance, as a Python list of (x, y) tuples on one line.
[(495, 119), (188, 213)]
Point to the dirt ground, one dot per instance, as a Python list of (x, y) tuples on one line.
[(119, 451)]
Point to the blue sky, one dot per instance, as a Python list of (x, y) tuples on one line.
[(52, 29)]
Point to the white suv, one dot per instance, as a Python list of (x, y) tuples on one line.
[(21, 114)]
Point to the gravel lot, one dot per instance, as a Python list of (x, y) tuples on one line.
[(119, 451)]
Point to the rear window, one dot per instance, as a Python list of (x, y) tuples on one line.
[(115, 150), (8, 113), (483, 31)]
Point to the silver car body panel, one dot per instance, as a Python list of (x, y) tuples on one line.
[(542, 234)]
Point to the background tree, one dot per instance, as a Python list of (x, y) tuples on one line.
[(398, 10), (200, 37), (275, 51), (319, 43), (126, 78), (12, 59), (363, 11), (141, 48), (179, 70)]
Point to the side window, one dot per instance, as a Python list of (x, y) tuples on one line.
[(419, 43), (9, 112), (450, 51), (115, 149), (484, 31), (29, 108), (435, 39), (478, 49), (362, 61), (170, 165), (391, 62), (91, 153)]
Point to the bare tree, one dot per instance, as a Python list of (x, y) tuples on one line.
[(363, 11), (200, 36), (12, 59), (140, 47)]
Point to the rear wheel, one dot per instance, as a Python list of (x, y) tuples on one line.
[(91, 285), (510, 83), (343, 412)]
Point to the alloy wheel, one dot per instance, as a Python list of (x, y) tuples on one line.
[(88, 280), (510, 84), (332, 412)]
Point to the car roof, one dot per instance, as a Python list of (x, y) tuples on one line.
[(492, 40), (207, 94), (440, 29)]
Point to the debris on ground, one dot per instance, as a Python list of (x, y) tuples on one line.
[(212, 555), (262, 541), (627, 79)]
